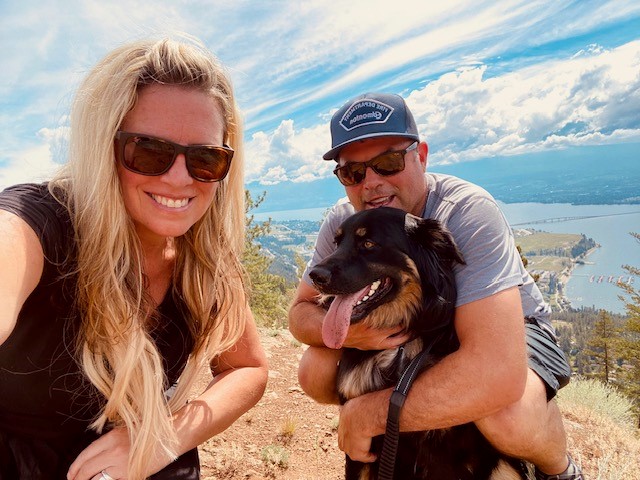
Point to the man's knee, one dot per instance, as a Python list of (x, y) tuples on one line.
[(520, 426), (317, 374), (518, 420)]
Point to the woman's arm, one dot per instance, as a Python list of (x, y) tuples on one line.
[(22, 265), (240, 377)]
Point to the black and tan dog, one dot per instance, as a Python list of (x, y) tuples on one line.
[(392, 268)]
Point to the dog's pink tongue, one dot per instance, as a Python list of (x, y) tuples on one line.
[(337, 320)]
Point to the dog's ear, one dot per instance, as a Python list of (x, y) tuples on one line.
[(434, 253), (431, 235)]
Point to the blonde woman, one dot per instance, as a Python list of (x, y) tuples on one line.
[(121, 278)]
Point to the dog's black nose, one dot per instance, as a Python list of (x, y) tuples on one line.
[(321, 276)]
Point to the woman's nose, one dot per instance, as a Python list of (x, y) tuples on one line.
[(178, 173)]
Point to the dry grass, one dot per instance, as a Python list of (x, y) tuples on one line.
[(228, 460), (545, 241), (288, 428), (275, 456), (548, 263), (601, 430)]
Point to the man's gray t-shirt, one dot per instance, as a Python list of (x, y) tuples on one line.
[(481, 232)]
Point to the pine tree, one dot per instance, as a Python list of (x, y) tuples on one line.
[(600, 348), (301, 264), (630, 345), (525, 262), (268, 293)]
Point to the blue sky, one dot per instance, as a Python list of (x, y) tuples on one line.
[(482, 78)]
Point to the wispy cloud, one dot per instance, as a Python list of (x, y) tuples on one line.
[(483, 78)]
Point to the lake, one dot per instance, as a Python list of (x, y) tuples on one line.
[(608, 225)]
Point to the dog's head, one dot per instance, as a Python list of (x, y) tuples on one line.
[(390, 268)]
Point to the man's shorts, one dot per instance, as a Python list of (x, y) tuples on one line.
[(546, 358)]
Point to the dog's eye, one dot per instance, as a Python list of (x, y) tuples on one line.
[(368, 244)]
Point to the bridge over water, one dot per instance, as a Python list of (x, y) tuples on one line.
[(567, 219), (629, 279)]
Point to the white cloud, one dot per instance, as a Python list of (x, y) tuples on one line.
[(274, 176), (32, 165), (287, 154), (465, 115), (37, 162)]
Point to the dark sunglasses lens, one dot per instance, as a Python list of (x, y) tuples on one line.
[(148, 156), (208, 164), (351, 174), (388, 164)]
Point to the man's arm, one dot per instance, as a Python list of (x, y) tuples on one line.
[(305, 316), (487, 373)]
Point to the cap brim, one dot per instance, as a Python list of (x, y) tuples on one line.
[(333, 153)]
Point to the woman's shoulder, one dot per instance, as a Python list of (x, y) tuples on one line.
[(43, 212), (28, 200)]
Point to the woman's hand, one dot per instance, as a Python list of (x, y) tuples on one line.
[(109, 454)]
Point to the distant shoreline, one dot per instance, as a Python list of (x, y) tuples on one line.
[(617, 246), (565, 276), (316, 213)]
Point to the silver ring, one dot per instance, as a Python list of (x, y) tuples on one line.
[(106, 476)]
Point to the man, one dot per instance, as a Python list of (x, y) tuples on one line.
[(496, 379)]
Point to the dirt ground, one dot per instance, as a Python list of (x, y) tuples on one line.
[(290, 437), (285, 436)]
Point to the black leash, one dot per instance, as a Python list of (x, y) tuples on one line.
[(398, 397)]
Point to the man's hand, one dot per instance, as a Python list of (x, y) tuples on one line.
[(363, 337), (361, 419)]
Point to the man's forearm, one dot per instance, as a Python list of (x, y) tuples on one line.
[(439, 398), (487, 373), (305, 323)]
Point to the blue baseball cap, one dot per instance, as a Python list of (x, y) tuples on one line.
[(370, 115)]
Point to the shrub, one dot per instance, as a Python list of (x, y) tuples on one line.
[(599, 398)]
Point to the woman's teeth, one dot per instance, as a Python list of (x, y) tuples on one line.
[(170, 202)]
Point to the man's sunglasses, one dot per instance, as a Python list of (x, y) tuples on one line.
[(149, 155), (390, 163)]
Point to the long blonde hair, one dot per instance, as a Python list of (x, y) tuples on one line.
[(115, 350)]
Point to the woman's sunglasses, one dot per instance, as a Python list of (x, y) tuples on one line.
[(390, 163), (149, 155)]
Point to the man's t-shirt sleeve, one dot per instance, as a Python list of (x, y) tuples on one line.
[(485, 239)]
